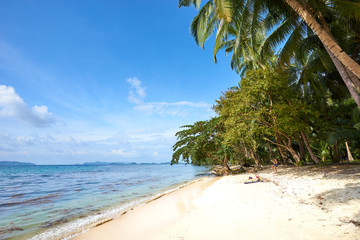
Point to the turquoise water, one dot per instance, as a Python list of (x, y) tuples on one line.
[(49, 202)]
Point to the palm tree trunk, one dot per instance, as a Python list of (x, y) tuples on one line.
[(312, 155), (336, 153), (345, 77), (350, 80), (340, 67), (310, 20), (350, 157), (354, 80)]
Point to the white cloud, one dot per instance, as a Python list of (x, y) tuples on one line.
[(136, 83), (140, 93), (13, 106), (122, 152), (182, 108), (134, 98)]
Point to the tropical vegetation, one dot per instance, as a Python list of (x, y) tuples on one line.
[(298, 99)]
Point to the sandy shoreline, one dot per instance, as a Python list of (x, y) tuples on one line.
[(293, 205)]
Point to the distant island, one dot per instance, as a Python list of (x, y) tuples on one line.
[(98, 163), (14, 163), (120, 163)]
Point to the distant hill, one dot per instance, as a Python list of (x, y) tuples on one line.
[(14, 163), (103, 163), (119, 163)]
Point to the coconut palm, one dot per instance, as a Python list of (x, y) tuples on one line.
[(346, 128), (239, 32), (309, 11)]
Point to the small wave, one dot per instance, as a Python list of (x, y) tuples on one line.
[(50, 224), (68, 230), (46, 175), (10, 230), (33, 201), (17, 195), (204, 174)]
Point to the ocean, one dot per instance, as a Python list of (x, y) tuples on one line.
[(52, 202)]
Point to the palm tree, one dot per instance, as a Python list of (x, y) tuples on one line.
[(310, 11), (238, 32), (305, 9), (346, 128)]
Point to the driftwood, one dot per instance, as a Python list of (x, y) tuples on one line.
[(219, 170)]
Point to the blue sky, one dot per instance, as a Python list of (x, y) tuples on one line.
[(84, 81)]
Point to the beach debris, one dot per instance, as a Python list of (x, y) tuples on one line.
[(251, 180), (105, 221), (356, 223)]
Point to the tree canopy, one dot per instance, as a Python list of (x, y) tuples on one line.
[(299, 102)]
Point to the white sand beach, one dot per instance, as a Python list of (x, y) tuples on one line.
[(291, 204)]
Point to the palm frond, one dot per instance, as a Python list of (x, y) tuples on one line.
[(203, 24), (292, 43), (224, 9), (220, 37), (187, 3), (348, 9), (343, 134), (277, 36), (356, 115)]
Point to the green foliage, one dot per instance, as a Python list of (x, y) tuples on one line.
[(282, 98), (264, 102), (200, 143), (300, 163)]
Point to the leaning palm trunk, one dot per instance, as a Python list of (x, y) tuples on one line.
[(354, 80), (345, 77), (350, 80), (346, 73), (350, 157), (310, 20)]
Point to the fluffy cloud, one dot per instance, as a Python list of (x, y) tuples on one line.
[(140, 93), (182, 108), (13, 106), (122, 152)]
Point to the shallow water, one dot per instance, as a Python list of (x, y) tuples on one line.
[(52, 201)]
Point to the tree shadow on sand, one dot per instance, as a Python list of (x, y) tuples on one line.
[(343, 196)]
